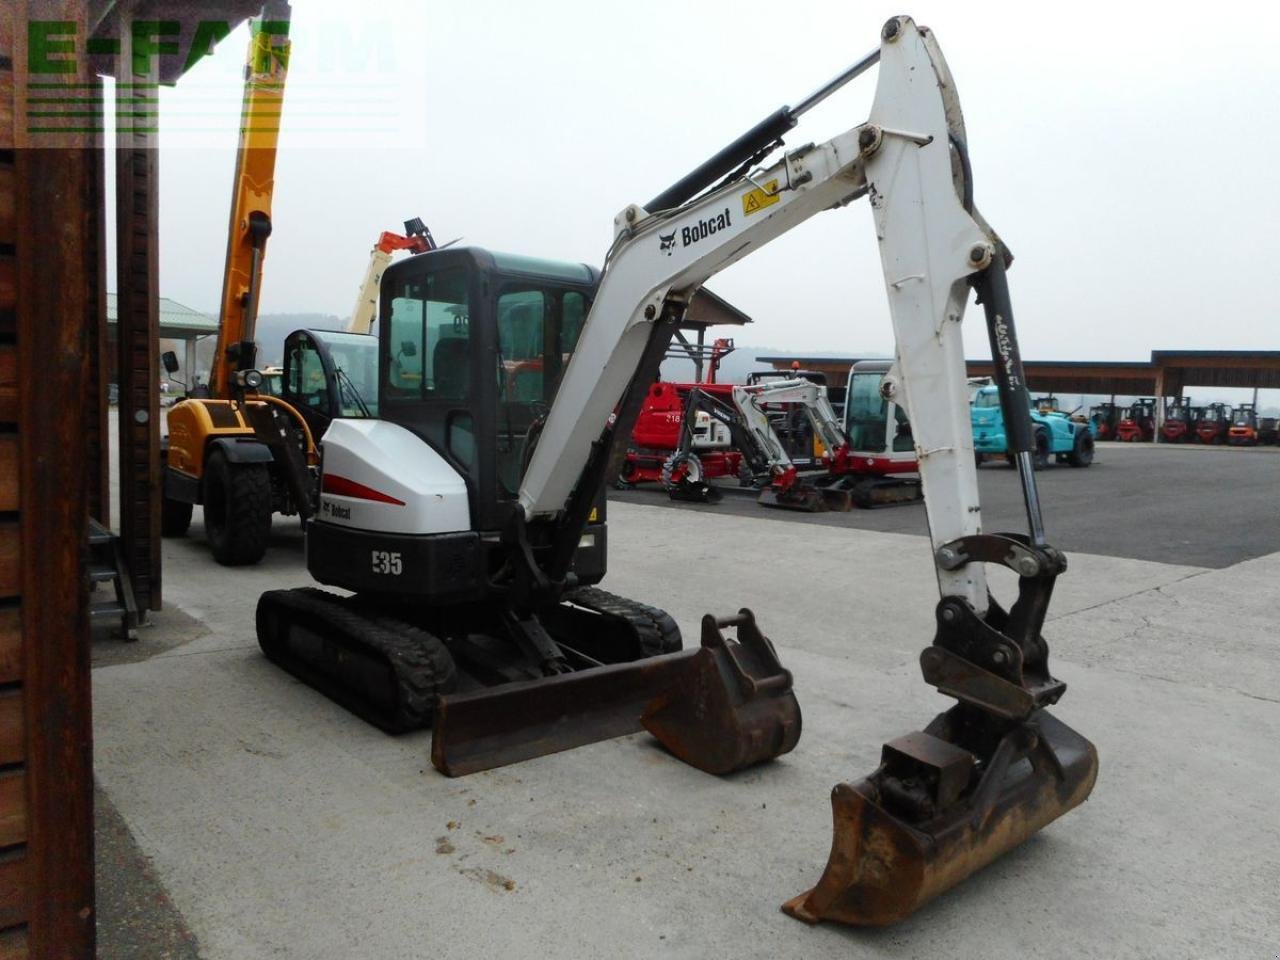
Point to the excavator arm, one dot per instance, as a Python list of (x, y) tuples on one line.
[(812, 400), (996, 767), (905, 158)]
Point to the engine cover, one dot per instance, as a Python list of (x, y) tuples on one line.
[(376, 475)]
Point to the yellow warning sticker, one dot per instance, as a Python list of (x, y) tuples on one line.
[(756, 200), (595, 515)]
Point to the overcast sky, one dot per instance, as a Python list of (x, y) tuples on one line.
[(1128, 154)]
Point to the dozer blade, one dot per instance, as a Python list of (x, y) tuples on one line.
[(699, 492), (721, 707), (505, 724), (929, 816), (732, 706), (803, 497)]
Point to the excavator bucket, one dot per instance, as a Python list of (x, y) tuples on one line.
[(732, 706), (932, 814), (721, 707)]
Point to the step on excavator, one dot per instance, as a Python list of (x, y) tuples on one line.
[(470, 524)]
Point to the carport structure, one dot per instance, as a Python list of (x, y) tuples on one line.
[(1176, 370), (1113, 378), (1167, 374), (705, 310), (177, 322)]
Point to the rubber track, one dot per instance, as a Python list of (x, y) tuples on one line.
[(655, 629), (422, 665)]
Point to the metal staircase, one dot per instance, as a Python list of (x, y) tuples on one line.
[(106, 563)]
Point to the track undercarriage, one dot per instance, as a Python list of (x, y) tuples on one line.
[(506, 688)]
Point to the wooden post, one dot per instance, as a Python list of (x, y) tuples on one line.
[(46, 786), (97, 429), (138, 326)]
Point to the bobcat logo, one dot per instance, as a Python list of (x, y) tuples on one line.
[(667, 242)]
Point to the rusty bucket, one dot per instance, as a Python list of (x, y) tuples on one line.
[(732, 705), (932, 814)]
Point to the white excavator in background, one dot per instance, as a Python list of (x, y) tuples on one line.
[(468, 517), (866, 461), (416, 239)]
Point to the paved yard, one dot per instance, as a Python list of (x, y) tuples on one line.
[(279, 826)]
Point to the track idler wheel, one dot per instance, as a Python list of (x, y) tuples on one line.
[(732, 706), (932, 814)]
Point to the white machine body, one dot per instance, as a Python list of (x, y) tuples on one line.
[(709, 433), (378, 476)]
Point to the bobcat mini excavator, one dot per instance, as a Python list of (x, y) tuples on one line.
[(470, 523)]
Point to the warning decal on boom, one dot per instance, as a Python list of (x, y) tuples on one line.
[(756, 200)]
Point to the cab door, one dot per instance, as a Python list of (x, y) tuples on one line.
[(306, 382)]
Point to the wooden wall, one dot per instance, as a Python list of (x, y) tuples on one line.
[(50, 281)]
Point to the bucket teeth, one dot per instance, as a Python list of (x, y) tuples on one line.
[(732, 707), (931, 815)]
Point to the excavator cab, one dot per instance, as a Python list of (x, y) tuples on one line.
[(878, 468), (474, 349)]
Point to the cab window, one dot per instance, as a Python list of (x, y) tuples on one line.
[(538, 328), (307, 383), (428, 338)]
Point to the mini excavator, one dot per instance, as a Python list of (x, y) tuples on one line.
[(468, 517)]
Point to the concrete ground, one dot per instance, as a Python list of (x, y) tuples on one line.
[(279, 826)]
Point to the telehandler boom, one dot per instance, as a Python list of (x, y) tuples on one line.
[(241, 452), (468, 518)]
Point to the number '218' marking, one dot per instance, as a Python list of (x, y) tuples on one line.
[(387, 563)]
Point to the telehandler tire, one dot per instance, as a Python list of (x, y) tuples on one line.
[(237, 510), (175, 518), (1041, 456), (1081, 454)]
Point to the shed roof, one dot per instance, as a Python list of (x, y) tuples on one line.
[(177, 321)]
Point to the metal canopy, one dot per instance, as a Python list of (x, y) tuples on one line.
[(1168, 371)]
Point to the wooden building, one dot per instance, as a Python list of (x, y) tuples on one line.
[(53, 426)]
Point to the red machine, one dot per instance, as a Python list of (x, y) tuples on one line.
[(1138, 422), (657, 434), (1214, 423), (656, 439), (1179, 423)]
